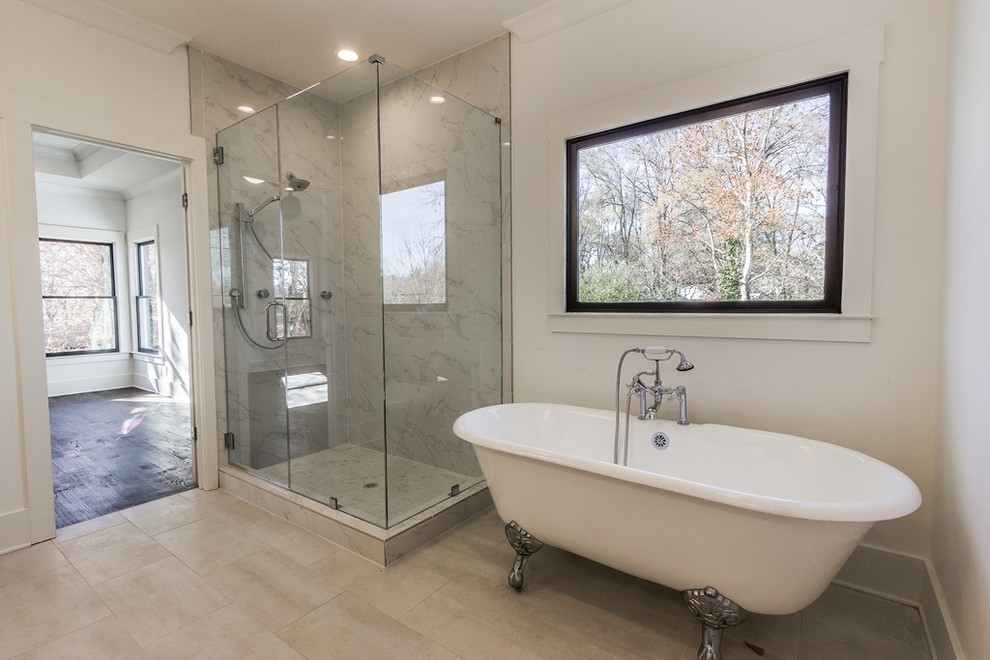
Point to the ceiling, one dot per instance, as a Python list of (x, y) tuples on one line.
[(70, 163), (295, 41)]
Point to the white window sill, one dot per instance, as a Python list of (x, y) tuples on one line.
[(793, 327)]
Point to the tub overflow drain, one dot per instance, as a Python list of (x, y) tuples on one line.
[(661, 440)]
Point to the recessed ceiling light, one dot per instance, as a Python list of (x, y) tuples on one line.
[(347, 55), (251, 179), (245, 108), (331, 137), (437, 100)]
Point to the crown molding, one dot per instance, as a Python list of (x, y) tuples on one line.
[(555, 16), (127, 26)]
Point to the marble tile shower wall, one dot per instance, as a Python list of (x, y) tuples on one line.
[(216, 88), (335, 229)]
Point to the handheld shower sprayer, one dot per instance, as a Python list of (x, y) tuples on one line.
[(662, 353)]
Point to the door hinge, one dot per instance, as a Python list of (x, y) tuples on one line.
[(185, 200), (195, 434), (218, 155), (228, 440), (190, 318)]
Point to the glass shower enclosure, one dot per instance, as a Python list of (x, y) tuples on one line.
[(360, 269)]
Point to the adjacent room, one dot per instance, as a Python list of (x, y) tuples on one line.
[(111, 228)]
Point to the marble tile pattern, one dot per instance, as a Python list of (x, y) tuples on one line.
[(286, 593), (436, 364)]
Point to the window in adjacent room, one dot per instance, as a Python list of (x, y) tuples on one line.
[(78, 297), (735, 207), (291, 283), (414, 245), (147, 299)]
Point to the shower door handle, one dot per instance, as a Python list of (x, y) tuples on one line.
[(273, 312)]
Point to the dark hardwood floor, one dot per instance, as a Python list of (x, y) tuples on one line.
[(115, 449)]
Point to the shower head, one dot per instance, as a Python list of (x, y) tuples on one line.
[(684, 364), (295, 183)]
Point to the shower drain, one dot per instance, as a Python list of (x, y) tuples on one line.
[(371, 484)]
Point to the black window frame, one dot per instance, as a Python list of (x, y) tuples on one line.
[(112, 297), (141, 295), (836, 87)]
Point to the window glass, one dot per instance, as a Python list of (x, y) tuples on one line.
[(148, 316), (78, 297), (414, 245), (734, 207), (291, 284)]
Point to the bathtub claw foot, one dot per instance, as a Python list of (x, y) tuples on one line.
[(716, 613), (525, 544)]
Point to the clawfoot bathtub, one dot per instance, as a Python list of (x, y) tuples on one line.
[(738, 520)]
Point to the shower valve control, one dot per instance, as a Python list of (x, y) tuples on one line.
[(264, 293), (326, 295)]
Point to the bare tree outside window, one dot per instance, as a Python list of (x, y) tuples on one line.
[(78, 297), (291, 283), (733, 207), (414, 247)]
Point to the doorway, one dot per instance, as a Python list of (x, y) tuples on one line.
[(115, 300)]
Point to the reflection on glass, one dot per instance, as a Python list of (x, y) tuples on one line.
[(291, 283), (414, 245)]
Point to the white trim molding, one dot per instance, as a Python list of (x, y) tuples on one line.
[(116, 22), (555, 16)]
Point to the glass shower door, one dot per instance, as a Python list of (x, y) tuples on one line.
[(250, 251)]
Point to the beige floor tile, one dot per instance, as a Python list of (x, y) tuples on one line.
[(861, 612), (477, 627), (468, 563), (342, 567), (156, 600), (486, 528), (39, 609), (111, 552), (825, 639), (29, 562), (227, 634), (208, 544), (779, 636), (271, 588), (88, 527), (231, 509), (195, 494), (159, 516), (291, 540), (397, 589), (106, 639), (347, 627)]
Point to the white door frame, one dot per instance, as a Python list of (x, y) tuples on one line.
[(36, 522)]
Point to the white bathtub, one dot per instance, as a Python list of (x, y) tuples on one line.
[(766, 519)]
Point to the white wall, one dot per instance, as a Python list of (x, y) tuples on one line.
[(878, 396), (157, 213), (961, 538), (76, 214), (59, 74)]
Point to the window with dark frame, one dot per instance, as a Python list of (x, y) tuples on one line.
[(734, 207), (147, 298), (79, 300)]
